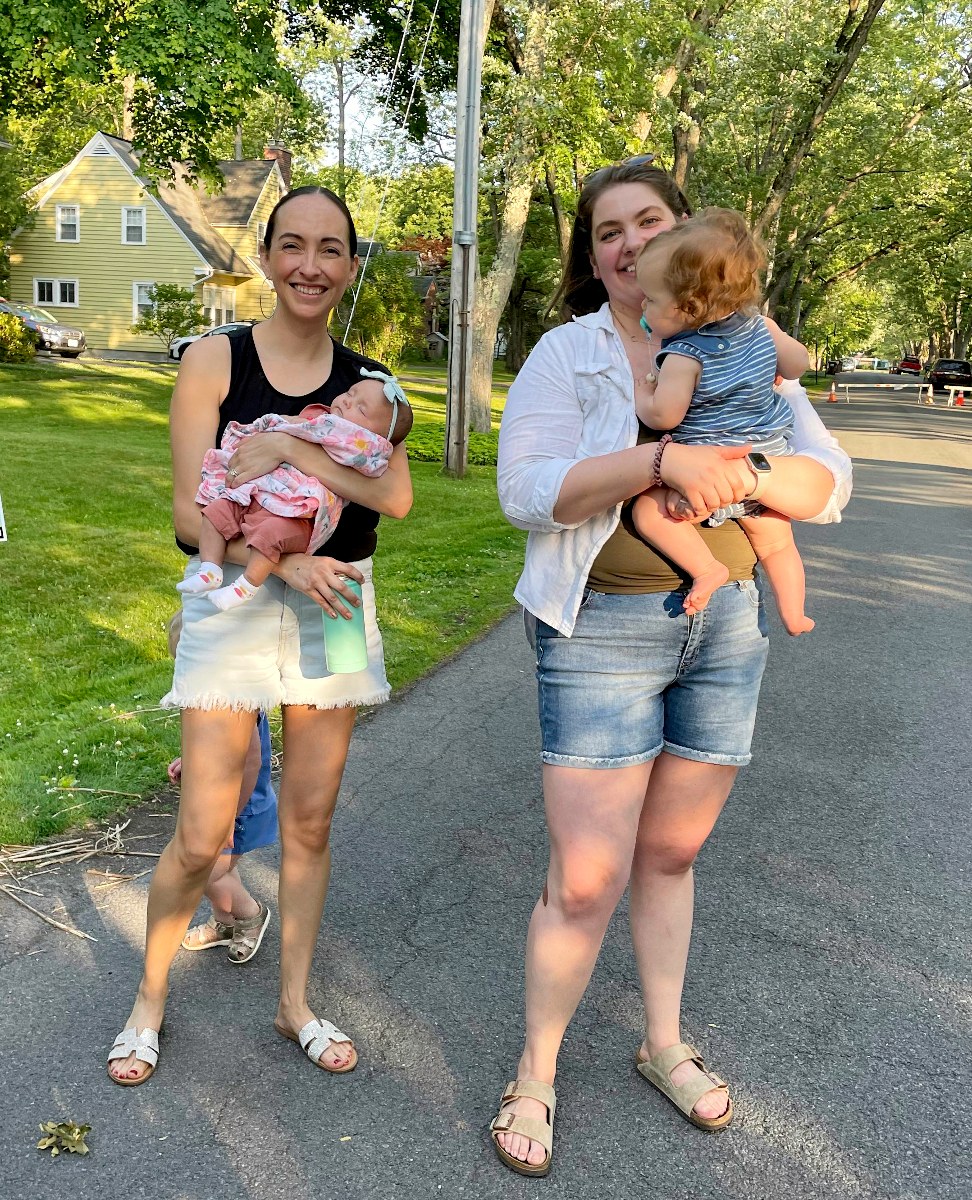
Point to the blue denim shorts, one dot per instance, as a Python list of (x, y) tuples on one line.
[(638, 676)]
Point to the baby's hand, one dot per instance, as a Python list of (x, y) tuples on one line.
[(678, 507), (174, 771)]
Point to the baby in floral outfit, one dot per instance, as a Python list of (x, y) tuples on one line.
[(287, 512)]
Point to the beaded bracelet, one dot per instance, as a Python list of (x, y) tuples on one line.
[(656, 478)]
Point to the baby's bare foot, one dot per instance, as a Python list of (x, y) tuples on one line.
[(703, 586)]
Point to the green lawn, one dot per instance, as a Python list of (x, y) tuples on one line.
[(87, 582)]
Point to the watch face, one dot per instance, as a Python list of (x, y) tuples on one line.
[(759, 462)]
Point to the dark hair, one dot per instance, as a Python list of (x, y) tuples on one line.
[(312, 190), (712, 264), (579, 291)]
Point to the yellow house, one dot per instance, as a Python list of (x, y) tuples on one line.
[(101, 238)]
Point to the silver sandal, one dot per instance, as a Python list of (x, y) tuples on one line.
[(198, 937), (248, 935)]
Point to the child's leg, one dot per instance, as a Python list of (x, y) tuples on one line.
[(230, 900), (212, 552), (258, 568), (682, 543), (771, 535), (268, 536)]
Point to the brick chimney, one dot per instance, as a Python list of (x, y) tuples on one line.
[(283, 156)]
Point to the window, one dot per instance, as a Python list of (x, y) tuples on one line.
[(68, 223), (133, 226), (219, 305), (261, 232), (56, 292), (141, 300)]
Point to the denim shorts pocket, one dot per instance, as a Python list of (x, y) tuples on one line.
[(751, 592)]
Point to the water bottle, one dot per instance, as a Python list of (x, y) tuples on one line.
[(345, 642)]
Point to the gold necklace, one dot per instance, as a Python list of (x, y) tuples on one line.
[(641, 336)]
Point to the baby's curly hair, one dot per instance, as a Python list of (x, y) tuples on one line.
[(713, 264)]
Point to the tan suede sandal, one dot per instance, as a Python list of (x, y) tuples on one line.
[(658, 1071), (529, 1127)]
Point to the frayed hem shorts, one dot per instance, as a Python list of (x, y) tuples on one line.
[(269, 651), (638, 676)]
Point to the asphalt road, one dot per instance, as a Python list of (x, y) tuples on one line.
[(828, 978)]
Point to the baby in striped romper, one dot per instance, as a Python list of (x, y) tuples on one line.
[(714, 385)]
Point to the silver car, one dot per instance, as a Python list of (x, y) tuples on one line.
[(50, 334)]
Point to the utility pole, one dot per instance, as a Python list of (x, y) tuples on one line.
[(472, 38)]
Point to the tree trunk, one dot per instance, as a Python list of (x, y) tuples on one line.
[(561, 223), (847, 49), (494, 288), (128, 95), (521, 171), (342, 124)]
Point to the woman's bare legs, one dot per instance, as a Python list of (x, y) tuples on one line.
[(315, 750), (682, 803), (592, 818), (214, 745)]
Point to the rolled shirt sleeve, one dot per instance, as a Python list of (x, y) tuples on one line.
[(812, 439), (539, 436)]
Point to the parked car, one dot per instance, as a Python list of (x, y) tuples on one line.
[(848, 364), (882, 364), (951, 372), (49, 333), (832, 366), (909, 365), (177, 347)]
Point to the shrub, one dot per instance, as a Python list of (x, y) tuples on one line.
[(426, 443), (16, 341), (174, 313)]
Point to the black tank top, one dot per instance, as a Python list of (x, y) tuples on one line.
[(251, 395)]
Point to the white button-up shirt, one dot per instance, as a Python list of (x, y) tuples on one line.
[(574, 399)]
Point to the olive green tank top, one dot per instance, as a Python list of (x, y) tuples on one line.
[(627, 564)]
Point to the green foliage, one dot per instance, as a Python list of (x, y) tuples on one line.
[(427, 444), (175, 313), (63, 1135), (388, 313), (194, 70), (16, 341)]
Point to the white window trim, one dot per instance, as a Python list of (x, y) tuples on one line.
[(126, 209), (56, 302), (136, 284), (57, 223)]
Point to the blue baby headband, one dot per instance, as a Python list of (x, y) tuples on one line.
[(393, 394)]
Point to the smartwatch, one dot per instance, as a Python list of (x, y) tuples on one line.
[(762, 468)]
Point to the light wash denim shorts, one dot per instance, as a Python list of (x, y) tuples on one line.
[(638, 676), (269, 651)]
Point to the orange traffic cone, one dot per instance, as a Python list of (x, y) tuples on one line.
[(960, 399), (832, 398)]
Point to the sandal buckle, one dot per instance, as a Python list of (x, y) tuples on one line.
[(504, 1121)]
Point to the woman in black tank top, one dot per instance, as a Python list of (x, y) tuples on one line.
[(228, 669)]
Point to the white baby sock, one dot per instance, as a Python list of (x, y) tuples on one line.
[(209, 576), (234, 594)]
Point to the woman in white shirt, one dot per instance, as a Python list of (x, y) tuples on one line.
[(646, 714)]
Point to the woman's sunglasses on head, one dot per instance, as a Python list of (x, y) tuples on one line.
[(636, 160)]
